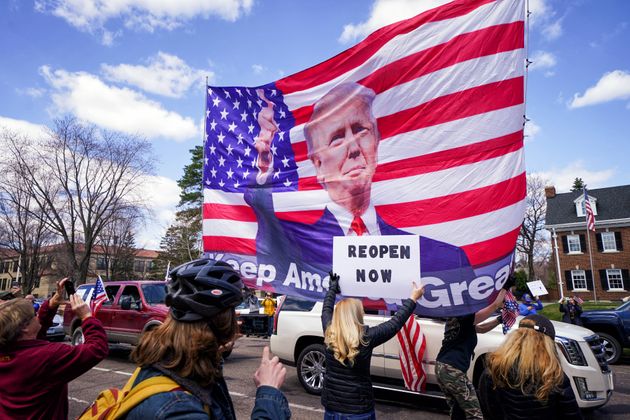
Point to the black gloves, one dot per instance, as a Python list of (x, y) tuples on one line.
[(500, 319), (511, 281), (334, 282)]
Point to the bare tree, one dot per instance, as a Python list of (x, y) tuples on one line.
[(531, 240), (82, 178), (22, 227)]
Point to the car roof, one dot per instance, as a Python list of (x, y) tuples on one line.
[(126, 282)]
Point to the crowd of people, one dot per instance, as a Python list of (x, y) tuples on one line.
[(523, 378)]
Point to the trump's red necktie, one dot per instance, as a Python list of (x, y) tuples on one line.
[(358, 226)]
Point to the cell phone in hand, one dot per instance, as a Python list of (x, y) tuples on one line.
[(69, 286)]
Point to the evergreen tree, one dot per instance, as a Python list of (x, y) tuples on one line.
[(578, 185), (122, 263)]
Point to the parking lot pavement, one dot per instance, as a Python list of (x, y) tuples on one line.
[(114, 371)]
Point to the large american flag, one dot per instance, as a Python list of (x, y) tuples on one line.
[(590, 217), (412, 345), (449, 105), (98, 295)]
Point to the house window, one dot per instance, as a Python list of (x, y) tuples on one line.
[(615, 280), (101, 263), (608, 241), (138, 266), (574, 244), (579, 279)]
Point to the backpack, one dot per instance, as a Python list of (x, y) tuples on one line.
[(115, 403)]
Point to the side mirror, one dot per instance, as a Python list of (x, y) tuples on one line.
[(138, 305), (125, 302)]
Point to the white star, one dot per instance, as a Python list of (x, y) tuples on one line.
[(239, 92), (220, 137), (213, 124), (248, 91), (221, 161), (259, 102), (212, 149), (249, 103), (229, 149), (239, 162), (273, 92), (207, 113), (273, 149), (221, 183), (229, 173), (281, 135), (277, 173), (213, 172), (206, 139), (207, 181), (216, 101), (236, 104), (224, 114), (285, 162), (236, 184), (240, 139), (210, 92), (206, 159), (244, 116), (246, 173), (254, 115), (227, 93), (282, 113), (254, 163), (250, 128), (247, 151), (231, 127), (287, 182), (256, 139)]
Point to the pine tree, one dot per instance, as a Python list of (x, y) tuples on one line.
[(122, 263), (578, 185)]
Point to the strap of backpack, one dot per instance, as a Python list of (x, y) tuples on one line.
[(142, 391)]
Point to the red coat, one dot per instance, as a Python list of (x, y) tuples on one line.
[(34, 374)]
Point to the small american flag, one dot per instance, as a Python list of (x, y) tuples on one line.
[(578, 300), (98, 295), (411, 352), (590, 217), (509, 312)]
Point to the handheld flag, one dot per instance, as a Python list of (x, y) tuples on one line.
[(411, 352), (509, 312), (98, 296)]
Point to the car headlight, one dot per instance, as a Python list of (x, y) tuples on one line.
[(572, 351), (585, 394)]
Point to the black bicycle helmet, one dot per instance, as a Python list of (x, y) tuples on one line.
[(202, 288)]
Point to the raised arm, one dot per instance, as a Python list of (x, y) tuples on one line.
[(329, 301), (483, 314)]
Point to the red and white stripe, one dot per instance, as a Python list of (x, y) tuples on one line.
[(449, 107), (412, 345)]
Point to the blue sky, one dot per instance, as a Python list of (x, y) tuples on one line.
[(140, 68)]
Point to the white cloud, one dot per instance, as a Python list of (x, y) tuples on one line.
[(92, 15), (32, 92), (553, 30), (161, 195), (611, 86), (257, 68), (121, 109), (164, 74), (542, 19), (385, 12), (531, 129), (22, 127), (542, 60), (563, 178)]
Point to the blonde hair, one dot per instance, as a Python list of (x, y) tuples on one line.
[(528, 361), (344, 335), (190, 349), (14, 317)]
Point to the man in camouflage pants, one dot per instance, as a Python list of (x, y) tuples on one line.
[(459, 391)]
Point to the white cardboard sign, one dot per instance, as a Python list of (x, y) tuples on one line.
[(537, 288), (377, 266)]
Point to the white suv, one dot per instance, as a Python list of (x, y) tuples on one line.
[(298, 341)]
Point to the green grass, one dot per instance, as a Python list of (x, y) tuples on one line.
[(553, 311)]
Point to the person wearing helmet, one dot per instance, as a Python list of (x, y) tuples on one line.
[(529, 306), (187, 348)]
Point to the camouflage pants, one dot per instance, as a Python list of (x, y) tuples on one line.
[(459, 391)]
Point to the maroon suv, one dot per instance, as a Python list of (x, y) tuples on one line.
[(132, 308)]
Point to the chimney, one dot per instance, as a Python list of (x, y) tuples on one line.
[(550, 192)]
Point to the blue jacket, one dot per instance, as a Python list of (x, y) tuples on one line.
[(536, 306), (270, 403)]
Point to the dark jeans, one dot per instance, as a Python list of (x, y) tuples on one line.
[(333, 415)]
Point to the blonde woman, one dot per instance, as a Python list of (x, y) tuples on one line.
[(347, 392), (524, 379)]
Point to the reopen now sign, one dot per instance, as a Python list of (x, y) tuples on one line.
[(377, 266)]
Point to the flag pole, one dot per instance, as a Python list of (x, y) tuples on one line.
[(590, 257), (554, 235), (204, 137)]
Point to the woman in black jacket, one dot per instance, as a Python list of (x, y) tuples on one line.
[(571, 311), (524, 378), (347, 391)]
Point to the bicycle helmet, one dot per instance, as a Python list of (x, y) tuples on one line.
[(202, 288)]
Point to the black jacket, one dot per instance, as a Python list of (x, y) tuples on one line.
[(509, 403), (566, 313), (348, 389)]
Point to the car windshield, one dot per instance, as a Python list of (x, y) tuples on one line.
[(624, 306), (243, 305), (154, 293)]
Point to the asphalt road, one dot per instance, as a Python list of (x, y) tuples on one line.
[(240, 366)]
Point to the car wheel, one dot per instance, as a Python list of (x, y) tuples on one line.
[(311, 367), (77, 337), (612, 348)]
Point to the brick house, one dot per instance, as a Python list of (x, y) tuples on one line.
[(609, 244)]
